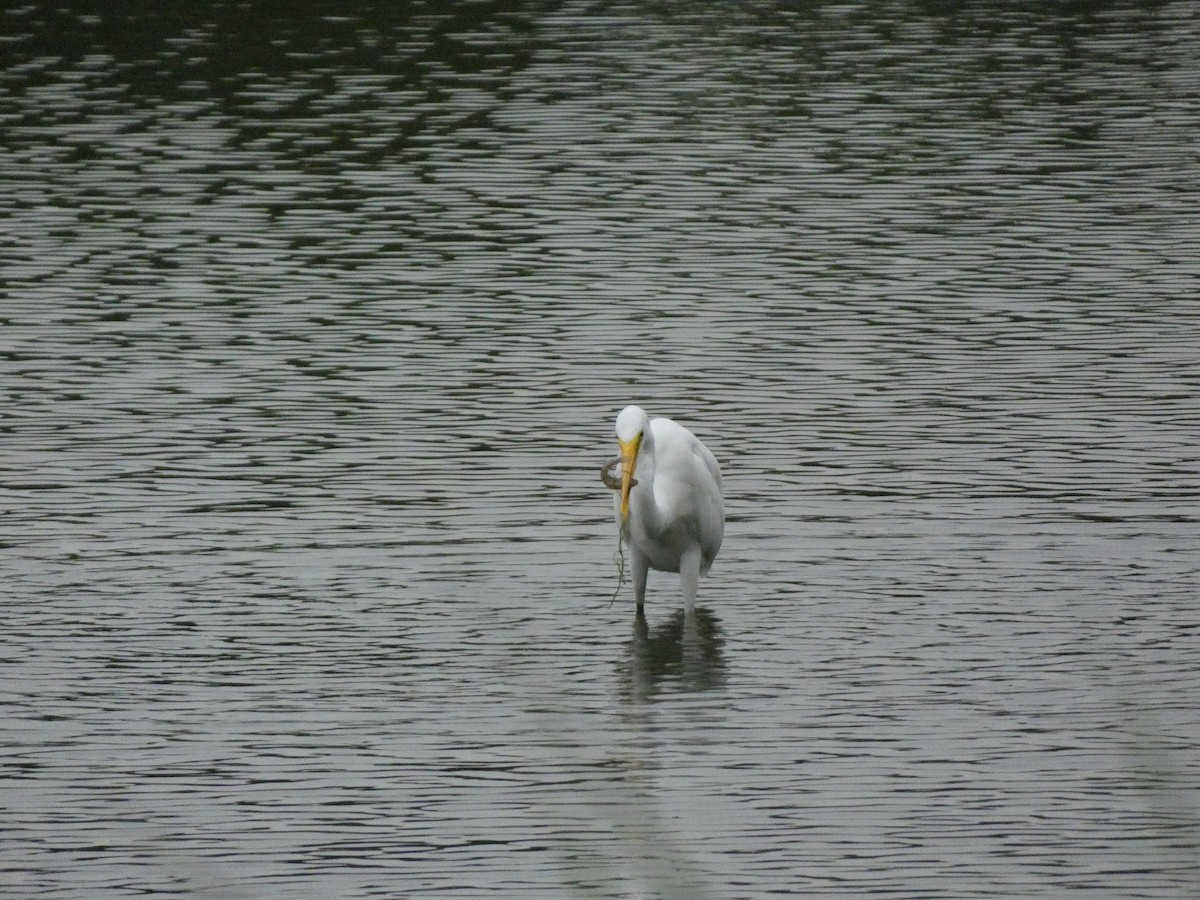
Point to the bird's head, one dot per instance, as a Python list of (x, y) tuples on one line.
[(631, 428)]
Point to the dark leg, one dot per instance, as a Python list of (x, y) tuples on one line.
[(641, 568)]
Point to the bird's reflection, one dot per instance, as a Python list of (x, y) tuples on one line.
[(684, 652)]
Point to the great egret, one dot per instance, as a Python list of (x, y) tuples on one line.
[(672, 514)]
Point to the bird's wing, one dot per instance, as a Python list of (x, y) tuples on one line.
[(710, 503), (698, 476), (710, 461)]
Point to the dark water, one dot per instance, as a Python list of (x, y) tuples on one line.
[(313, 327)]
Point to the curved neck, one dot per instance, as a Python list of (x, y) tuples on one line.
[(644, 473)]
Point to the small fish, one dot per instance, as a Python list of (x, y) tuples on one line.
[(611, 481)]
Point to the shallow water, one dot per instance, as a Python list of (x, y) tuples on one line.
[(312, 333)]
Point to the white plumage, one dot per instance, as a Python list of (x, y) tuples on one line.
[(669, 506)]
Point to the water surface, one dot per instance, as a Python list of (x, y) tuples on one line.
[(312, 330)]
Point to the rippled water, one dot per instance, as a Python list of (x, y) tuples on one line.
[(312, 332)]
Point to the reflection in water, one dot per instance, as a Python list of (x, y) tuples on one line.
[(684, 650)]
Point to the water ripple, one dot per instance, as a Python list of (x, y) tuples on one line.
[(309, 352)]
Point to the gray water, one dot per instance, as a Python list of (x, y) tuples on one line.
[(312, 332)]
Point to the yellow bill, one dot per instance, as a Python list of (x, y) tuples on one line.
[(629, 452)]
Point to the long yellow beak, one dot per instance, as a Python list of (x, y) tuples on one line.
[(629, 452)]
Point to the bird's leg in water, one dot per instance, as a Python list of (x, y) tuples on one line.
[(689, 577), (641, 568), (640, 629)]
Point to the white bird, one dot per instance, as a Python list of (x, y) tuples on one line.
[(672, 513)]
